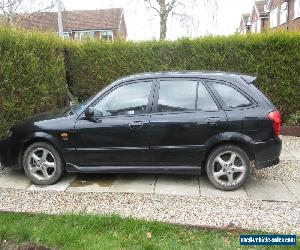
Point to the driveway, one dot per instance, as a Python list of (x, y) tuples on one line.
[(269, 201)]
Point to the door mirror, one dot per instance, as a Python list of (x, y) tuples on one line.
[(89, 113)]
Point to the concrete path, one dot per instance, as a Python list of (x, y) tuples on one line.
[(182, 185)]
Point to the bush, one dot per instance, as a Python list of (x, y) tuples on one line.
[(32, 75), (274, 58), (33, 67), (293, 119)]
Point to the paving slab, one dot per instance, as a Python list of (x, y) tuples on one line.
[(286, 155), (177, 185), (15, 180), (294, 187), (296, 154), (134, 183), (60, 186), (208, 190), (92, 183), (268, 190)]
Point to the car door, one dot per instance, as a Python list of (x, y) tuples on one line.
[(185, 116), (118, 134)]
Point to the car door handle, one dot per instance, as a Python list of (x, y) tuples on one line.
[(135, 124), (213, 121)]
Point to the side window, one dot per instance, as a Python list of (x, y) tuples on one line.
[(177, 95), (205, 102), (231, 97), (130, 99)]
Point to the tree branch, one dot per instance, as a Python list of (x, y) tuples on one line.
[(152, 7)]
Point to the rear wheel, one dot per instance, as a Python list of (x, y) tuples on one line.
[(228, 167), (42, 163)]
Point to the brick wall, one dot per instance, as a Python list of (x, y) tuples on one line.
[(292, 24)]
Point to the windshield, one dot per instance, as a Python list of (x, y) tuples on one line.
[(78, 107)]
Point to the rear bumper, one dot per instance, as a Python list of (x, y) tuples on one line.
[(267, 152)]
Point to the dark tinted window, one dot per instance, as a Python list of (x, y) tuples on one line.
[(128, 99), (177, 95), (231, 96), (205, 101)]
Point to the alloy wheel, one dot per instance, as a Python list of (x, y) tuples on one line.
[(41, 164), (229, 168)]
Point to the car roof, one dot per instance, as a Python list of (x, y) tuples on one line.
[(218, 75)]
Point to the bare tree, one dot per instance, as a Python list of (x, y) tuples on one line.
[(166, 7), (10, 9)]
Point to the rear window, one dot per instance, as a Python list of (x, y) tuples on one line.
[(231, 97), (262, 95)]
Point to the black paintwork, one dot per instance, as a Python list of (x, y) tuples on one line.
[(176, 142)]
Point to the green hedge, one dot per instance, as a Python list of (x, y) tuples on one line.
[(274, 58), (34, 68), (32, 75)]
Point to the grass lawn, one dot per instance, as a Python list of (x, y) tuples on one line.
[(108, 232)]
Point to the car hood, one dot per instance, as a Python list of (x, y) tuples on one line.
[(49, 115)]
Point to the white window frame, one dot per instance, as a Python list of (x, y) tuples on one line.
[(296, 9), (258, 29), (107, 33), (253, 27), (274, 18), (283, 13)]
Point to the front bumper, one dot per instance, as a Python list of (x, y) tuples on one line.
[(9, 153), (267, 153)]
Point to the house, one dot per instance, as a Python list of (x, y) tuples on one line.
[(259, 18), (245, 24), (105, 24), (284, 14)]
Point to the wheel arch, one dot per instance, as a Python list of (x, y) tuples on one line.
[(242, 141), (39, 137)]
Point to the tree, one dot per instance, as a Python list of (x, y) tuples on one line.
[(10, 9), (166, 7)]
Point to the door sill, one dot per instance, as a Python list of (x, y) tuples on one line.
[(134, 169)]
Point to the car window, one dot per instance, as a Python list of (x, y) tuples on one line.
[(130, 99), (231, 97), (177, 95), (205, 102)]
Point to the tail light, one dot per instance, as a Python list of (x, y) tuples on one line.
[(274, 116)]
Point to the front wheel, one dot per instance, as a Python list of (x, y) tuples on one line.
[(228, 167), (42, 163)]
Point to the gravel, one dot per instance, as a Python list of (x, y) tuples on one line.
[(3, 171), (284, 171), (198, 211), (290, 142)]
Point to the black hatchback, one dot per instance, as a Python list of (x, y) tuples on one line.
[(172, 122)]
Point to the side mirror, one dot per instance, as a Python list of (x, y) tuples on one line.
[(89, 113)]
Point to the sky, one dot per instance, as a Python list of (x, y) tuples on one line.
[(143, 24)]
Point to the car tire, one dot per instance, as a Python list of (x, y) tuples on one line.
[(42, 163), (228, 167)]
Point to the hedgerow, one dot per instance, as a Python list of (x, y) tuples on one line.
[(32, 75), (35, 68), (274, 58)]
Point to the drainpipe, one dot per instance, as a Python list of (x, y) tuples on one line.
[(59, 19)]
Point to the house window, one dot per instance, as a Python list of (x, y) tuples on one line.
[(82, 35), (66, 35), (297, 8), (274, 18), (283, 12), (107, 35)]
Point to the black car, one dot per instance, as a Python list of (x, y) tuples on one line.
[(172, 122)]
